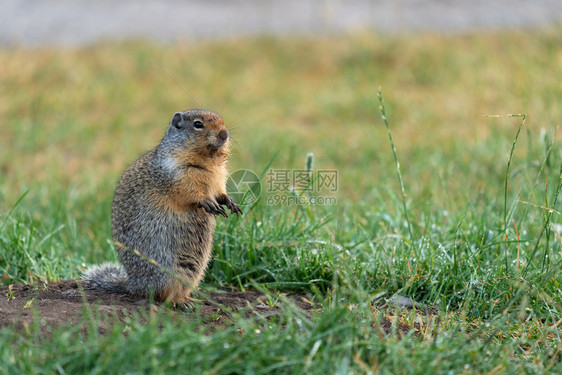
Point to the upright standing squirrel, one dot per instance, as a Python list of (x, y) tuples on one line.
[(164, 207)]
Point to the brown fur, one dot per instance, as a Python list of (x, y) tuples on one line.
[(165, 207)]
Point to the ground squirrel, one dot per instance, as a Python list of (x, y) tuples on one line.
[(165, 207)]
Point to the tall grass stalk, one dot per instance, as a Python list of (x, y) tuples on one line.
[(504, 224), (546, 223), (397, 163)]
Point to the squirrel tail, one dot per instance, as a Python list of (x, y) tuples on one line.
[(110, 277)]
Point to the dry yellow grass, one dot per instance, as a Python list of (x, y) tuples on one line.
[(75, 118)]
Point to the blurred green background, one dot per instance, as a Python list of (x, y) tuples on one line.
[(480, 243), (73, 119)]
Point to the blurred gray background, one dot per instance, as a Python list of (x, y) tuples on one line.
[(32, 23)]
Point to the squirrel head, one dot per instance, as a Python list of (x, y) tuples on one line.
[(200, 131)]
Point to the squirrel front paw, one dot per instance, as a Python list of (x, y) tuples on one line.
[(212, 207), (228, 202)]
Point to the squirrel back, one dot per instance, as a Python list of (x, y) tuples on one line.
[(164, 207)]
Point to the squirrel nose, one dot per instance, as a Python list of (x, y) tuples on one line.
[(223, 135)]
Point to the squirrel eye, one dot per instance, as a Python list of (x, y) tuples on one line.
[(198, 124)]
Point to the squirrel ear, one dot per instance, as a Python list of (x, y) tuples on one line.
[(177, 120)]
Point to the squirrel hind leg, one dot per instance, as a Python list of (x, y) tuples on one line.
[(176, 292), (147, 284)]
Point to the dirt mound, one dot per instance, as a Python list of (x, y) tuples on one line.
[(63, 303), (68, 303)]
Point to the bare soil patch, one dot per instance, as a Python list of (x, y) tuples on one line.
[(62, 303), (66, 303)]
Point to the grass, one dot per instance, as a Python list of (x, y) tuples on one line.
[(481, 239)]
